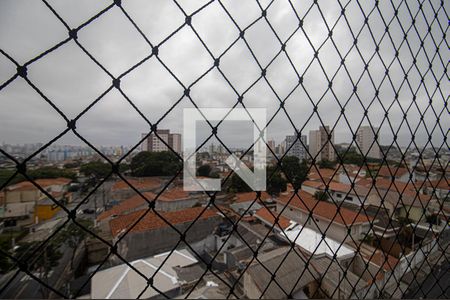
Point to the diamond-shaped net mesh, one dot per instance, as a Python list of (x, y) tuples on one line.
[(381, 63)]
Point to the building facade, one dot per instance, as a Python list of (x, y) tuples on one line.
[(320, 144), (162, 141), (366, 141), (296, 147)]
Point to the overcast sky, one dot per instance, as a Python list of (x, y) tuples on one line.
[(72, 81)]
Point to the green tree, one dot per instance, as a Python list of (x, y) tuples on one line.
[(163, 163), (204, 170), (275, 183), (237, 185), (326, 164), (321, 196), (296, 172), (96, 169)]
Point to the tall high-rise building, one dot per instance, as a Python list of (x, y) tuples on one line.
[(158, 142), (321, 145), (365, 136), (175, 142), (296, 147), (271, 145)]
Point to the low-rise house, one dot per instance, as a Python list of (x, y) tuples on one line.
[(399, 173), (170, 199), (123, 282), (121, 190), (400, 200), (315, 243), (439, 187), (324, 216), (26, 191), (323, 175), (248, 203), (45, 209), (338, 191), (270, 218), (144, 233), (350, 173), (25, 204), (293, 279)]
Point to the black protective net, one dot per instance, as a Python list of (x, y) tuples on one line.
[(389, 70)]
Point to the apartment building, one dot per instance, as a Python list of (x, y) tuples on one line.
[(320, 144), (297, 147), (161, 141), (368, 142)]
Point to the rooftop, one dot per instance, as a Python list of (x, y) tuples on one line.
[(314, 243), (268, 217), (142, 183), (151, 221), (251, 196), (123, 282), (322, 174), (28, 185), (327, 210), (289, 266)]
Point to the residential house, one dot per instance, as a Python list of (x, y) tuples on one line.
[(144, 233), (324, 217), (402, 200), (122, 190), (337, 191), (171, 199), (399, 173), (439, 187), (22, 199)]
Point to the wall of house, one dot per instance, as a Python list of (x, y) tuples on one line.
[(45, 212), (414, 213), (151, 242), (375, 200), (309, 189), (22, 196)]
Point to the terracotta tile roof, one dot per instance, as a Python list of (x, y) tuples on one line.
[(327, 210), (313, 184), (384, 171), (137, 201), (250, 196), (326, 174), (27, 185), (441, 183), (266, 215), (173, 194), (388, 262), (127, 205), (151, 221), (395, 187), (144, 183)]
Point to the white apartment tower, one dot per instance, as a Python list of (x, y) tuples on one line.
[(365, 136), (321, 145)]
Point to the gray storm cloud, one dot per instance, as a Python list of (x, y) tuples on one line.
[(71, 80)]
